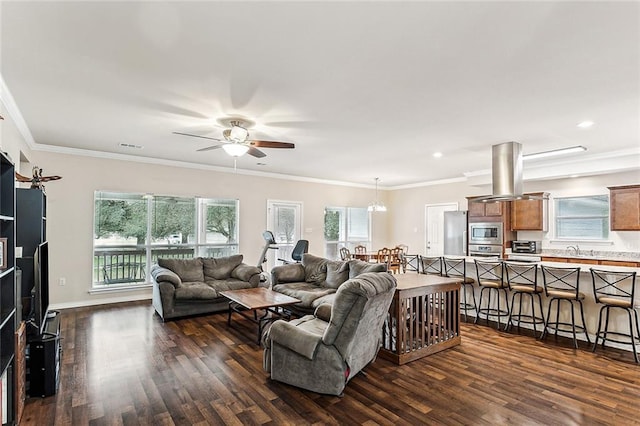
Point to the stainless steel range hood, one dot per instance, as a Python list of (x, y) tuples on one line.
[(506, 174)]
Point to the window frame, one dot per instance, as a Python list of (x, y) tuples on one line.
[(344, 231), (557, 218), (146, 254)]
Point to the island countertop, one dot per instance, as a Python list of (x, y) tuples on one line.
[(584, 267)]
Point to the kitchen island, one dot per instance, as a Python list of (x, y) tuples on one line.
[(617, 321)]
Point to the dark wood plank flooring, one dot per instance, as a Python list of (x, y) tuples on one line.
[(122, 365)]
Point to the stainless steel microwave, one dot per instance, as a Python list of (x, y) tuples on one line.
[(485, 233)]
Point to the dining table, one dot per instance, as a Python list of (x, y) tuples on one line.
[(369, 256)]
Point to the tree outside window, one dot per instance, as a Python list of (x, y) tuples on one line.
[(345, 227), (133, 230)]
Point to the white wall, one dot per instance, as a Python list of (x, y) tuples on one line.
[(70, 211)]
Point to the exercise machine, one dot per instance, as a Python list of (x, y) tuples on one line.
[(270, 244)]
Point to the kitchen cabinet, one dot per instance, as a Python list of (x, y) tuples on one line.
[(588, 261), (530, 215), (487, 212), (624, 202), (620, 263), (476, 209)]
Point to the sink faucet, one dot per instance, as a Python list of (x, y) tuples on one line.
[(576, 250)]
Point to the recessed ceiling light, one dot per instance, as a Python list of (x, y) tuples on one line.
[(437, 155), (585, 124)]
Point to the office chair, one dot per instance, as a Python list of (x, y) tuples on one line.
[(301, 247)]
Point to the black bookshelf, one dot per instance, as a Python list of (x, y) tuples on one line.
[(8, 296)]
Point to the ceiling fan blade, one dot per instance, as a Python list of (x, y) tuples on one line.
[(271, 144), (256, 152), (198, 136), (209, 148)]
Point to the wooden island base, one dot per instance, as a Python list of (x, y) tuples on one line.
[(427, 308)]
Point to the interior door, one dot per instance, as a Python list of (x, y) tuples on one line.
[(284, 220), (434, 227)]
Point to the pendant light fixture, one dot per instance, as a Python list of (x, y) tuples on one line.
[(377, 206)]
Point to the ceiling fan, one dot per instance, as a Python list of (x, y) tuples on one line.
[(236, 141)]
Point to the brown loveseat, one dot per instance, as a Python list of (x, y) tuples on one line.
[(184, 287), (316, 280)]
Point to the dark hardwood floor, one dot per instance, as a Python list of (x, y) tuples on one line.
[(122, 365)]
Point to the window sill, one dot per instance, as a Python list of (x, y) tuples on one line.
[(119, 288), (586, 242)]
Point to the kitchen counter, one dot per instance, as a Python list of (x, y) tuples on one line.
[(584, 262), (618, 258), (583, 266), (591, 308)]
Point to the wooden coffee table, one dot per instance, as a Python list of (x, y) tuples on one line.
[(252, 299)]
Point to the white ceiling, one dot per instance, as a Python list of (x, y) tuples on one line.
[(363, 89)]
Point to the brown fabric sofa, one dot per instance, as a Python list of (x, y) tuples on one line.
[(316, 280), (184, 287)]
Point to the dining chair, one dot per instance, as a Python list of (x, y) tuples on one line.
[(383, 255), (395, 260), (345, 254)]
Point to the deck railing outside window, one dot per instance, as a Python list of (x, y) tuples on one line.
[(128, 264)]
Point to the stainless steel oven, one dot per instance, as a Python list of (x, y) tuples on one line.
[(485, 233), (485, 250)]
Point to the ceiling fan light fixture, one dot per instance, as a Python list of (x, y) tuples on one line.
[(238, 134), (235, 149)]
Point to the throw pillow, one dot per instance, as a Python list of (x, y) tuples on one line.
[(337, 273), (357, 267), (187, 269), (220, 268), (315, 268)]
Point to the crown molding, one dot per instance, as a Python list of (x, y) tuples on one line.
[(188, 165), (14, 112)]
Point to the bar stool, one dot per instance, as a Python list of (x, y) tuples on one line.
[(563, 285), (616, 290), (523, 281), (430, 265), (490, 275), (457, 268)]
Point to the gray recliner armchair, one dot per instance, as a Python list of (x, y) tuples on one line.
[(323, 351)]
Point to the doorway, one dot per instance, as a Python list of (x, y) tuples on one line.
[(284, 219), (434, 227)]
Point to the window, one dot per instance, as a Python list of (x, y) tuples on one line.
[(284, 219), (583, 218), (133, 230), (345, 227)]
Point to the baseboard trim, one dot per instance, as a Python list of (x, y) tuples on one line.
[(105, 301)]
